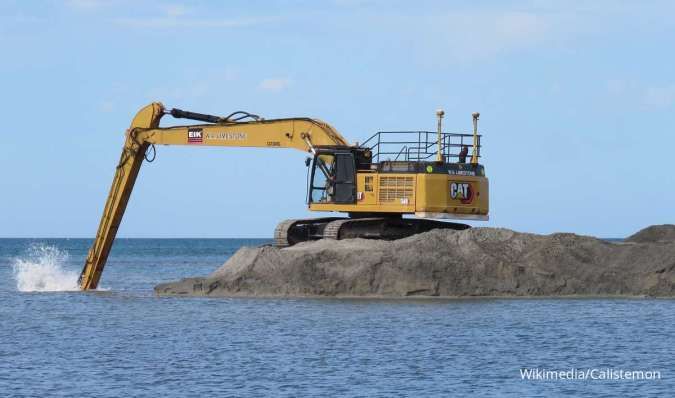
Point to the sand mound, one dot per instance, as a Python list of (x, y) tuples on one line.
[(474, 262), (655, 233)]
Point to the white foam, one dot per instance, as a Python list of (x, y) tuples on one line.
[(41, 270)]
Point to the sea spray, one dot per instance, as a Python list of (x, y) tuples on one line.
[(41, 270)]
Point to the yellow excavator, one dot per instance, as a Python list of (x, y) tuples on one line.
[(429, 175)]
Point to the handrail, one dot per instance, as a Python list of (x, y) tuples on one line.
[(401, 151), (419, 145)]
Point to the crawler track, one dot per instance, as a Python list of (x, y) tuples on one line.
[(290, 232)]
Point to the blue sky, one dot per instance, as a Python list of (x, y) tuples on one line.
[(577, 104)]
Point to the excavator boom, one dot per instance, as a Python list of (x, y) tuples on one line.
[(299, 133)]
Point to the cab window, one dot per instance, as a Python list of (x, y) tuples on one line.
[(322, 189)]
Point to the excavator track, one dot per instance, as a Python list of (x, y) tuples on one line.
[(281, 233), (355, 228), (290, 232)]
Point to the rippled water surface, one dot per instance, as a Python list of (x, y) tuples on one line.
[(122, 341)]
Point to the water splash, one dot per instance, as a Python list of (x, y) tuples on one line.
[(41, 270)]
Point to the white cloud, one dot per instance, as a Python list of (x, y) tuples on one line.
[(87, 4), (172, 20), (520, 25), (175, 10), (471, 35), (637, 93), (156, 15), (274, 85), (475, 33), (617, 87), (354, 3), (659, 97), (106, 106), (199, 85)]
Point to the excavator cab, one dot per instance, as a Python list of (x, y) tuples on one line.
[(333, 174)]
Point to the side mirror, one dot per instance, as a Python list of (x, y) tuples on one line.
[(308, 161)]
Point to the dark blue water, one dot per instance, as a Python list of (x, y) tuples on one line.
[(125, 342)]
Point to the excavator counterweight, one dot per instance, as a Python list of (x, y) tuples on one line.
[(426, 176)]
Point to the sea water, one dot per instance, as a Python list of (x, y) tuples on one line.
[(122, 341)]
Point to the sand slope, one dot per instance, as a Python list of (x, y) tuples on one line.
[(474, 262)]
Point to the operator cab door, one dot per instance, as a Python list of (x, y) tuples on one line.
[(333, 178), (345, 178)]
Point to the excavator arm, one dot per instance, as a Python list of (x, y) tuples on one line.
[(300, 133)]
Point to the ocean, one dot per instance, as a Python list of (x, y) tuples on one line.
[(122, 341)]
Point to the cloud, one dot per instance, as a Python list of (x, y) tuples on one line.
[(522, 26), (160, 15), (177, 16), (19, 19), (198, 84), (466, 34), (638, 93), (169, 22), (274, 85), (87, 4), (175, 10), (474, 35), (106, 106), (354, 3), (617, 87), (659, 97)]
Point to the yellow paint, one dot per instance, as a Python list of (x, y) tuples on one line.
[(434, 196), (431, 194)]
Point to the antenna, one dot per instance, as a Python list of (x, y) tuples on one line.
[(474, 153), (439, 114)]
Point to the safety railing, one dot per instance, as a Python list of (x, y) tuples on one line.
[(420, 146)]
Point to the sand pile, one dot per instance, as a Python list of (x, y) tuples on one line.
[(655, 233), (474, 262)]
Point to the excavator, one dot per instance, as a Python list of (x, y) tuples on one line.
[(393, 185)]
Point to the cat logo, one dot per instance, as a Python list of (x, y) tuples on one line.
[(461, 191)]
